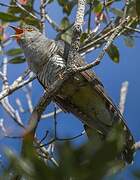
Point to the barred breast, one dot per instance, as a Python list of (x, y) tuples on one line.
[(51, 71)]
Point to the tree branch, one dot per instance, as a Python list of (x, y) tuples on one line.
[(5, 102), (119, 28), (77, 29), (25, 10), (35, 118), (18, 83), (43, 14)]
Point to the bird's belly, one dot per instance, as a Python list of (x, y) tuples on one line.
[(83, 100)]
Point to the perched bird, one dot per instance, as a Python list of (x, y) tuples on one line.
[(82, 94)]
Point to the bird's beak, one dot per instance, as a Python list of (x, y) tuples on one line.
[(18, 32)]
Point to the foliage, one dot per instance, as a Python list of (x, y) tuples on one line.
[(85, 162)]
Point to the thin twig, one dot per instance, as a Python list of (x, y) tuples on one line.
[(55, 122), (54, 25), (19, 104), (2, 127), (7, 5), (5, 102), (18, 83), (71, 138), (28, 98), (123, 94), (46, 134), (102, 53), (62, 139), (100, 39), (46, 153), (35, 118), (12, 112), (48, 115), (25, 10), (133, 29)]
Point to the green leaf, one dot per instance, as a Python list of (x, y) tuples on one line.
[(65, 23), (98, 7), (67, 5), (117, 12), (17, 60), (83, 37), (113, 53), (67, 35), (138, 7), (15, 51), (8, 17), (129, 41)]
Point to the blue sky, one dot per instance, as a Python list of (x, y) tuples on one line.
[(112, 75)]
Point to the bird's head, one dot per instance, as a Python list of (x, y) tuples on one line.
[(26, 34), (31, 41)]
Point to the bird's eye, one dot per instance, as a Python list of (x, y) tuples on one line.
[(30, 29)]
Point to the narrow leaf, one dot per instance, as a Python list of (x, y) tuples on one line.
[(13, 52), (17, 60), (83, 37), (113, 53), (98, 8), (65, 23), (8, 17)]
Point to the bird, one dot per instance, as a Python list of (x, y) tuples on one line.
[(82, 94)]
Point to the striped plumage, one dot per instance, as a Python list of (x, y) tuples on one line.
[(83, 95)]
